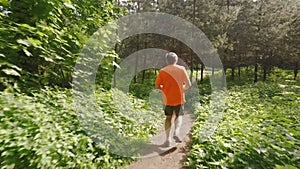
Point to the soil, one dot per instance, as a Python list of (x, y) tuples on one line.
[(167, 158)]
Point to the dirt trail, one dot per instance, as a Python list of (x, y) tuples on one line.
[(172, 158)]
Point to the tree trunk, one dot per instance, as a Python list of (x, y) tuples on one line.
[(255, 72), (192, 62), (296, 70), (145, 60), (144, 71), (191, 75), (197, 70), (232, 73), (115, 67), (239, 66), (212, 71), (115, 78), (137, 60), (228, 3), (202, 70), (265, 73), (138, 48), (135, 69)]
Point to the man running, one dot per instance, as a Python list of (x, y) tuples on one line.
[(173, 81)]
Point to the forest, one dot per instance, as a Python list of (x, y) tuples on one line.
[(57, 113)]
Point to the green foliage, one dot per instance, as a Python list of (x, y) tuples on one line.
[(40, 39), (259, 129), (283, 76), (105, 72), (43, 131), (142, 89), (128, 114)]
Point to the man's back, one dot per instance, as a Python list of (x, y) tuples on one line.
[(171, 79)]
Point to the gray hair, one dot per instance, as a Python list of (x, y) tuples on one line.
[(171, 58)]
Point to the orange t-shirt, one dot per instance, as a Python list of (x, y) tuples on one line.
[(171, 80)]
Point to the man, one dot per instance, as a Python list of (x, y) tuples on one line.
[(173, 80)]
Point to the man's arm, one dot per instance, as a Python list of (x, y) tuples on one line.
[(187, 83), (158, 84)]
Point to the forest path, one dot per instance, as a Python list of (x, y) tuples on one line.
[(172, 158)]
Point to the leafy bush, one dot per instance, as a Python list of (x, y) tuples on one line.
[(142, 88), (40, 40), (43, 131), (259, 129)]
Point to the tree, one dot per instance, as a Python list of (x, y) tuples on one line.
[(40, 39), (258, 34), (245, 33)]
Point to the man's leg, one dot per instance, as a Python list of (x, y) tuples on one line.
[(178, 122), (168, 128), (168, 123)]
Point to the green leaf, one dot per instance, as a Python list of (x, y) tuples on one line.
[(69, 5), (285, 167), (27, 52), (4, 3), (24, 42), (214, 163), (16, 67), (26, 26), (34, 42), (117, 65), (48, 59), (11, 72), (10, 65)]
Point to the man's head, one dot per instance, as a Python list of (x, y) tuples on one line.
[(171, 58)]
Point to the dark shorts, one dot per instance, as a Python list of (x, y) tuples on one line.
[(177, 109)]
